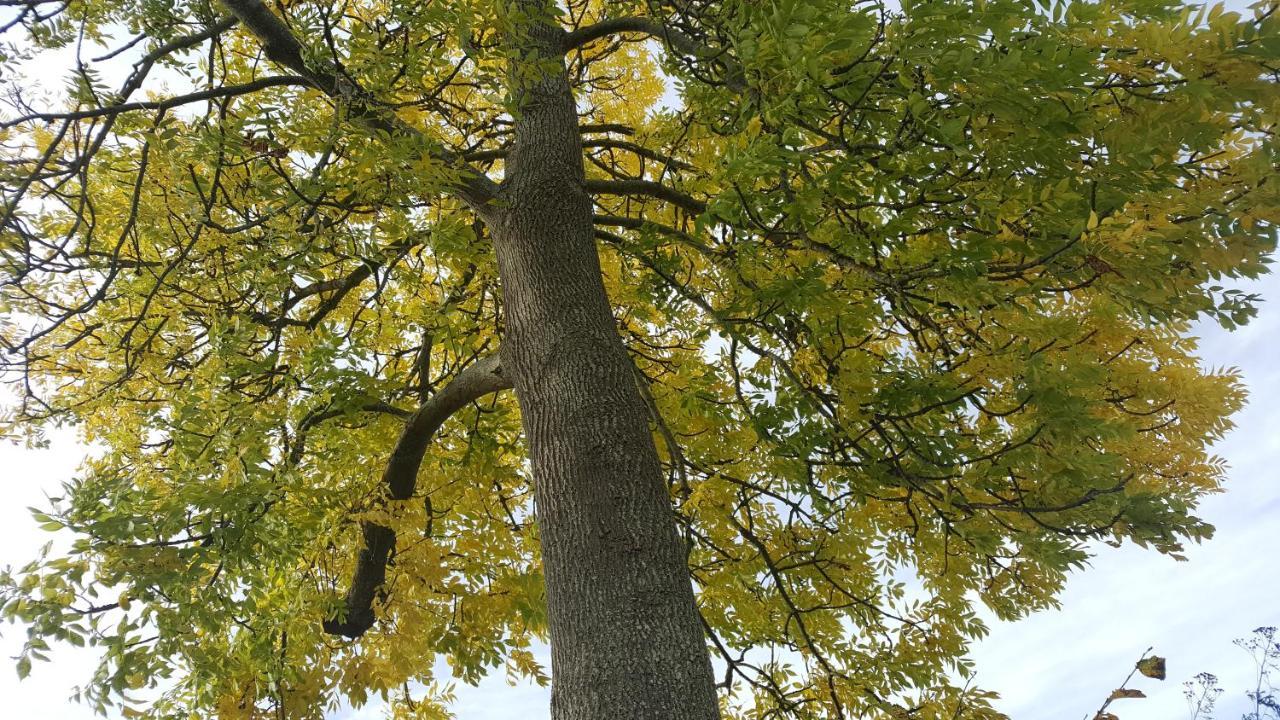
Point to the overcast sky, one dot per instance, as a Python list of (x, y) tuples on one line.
[(1057, 664)]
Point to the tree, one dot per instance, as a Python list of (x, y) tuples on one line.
[(890, 307)]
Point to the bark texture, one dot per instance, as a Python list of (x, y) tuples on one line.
[(626, 640)]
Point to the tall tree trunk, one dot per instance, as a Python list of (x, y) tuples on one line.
[(626, 641)]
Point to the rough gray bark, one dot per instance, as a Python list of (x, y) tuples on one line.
[(626, 640)]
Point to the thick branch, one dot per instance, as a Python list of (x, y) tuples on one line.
[(276, 37), (589, 128), (474, 187), (400, 478), (612, 26), (656, 190), (679, 41)]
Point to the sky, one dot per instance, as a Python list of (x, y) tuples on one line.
[(1055, 664)]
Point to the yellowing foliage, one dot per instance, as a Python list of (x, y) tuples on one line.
[(911, 316)]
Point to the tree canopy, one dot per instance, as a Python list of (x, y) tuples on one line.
[(907, 293)]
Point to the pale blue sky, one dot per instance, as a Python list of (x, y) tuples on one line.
[(1057, 664)]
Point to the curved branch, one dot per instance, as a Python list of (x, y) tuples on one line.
[(583, 35), (400, 478), (648, 188)]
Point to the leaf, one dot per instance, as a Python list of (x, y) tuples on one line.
[(1125, 693), (1152, 667)]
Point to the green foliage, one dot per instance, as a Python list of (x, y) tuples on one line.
[(914, 326)]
